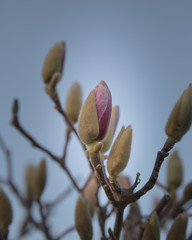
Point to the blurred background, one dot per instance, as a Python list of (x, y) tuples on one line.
[(141, 49)]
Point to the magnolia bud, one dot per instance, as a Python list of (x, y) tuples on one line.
[(187, 194), (174, 172), (90, 193), (152, 228), (180, 118), (29, 182), (83, 220), (39, 180), (120, 152), (5, 212), (54, 61), (179, 227), (111, 130), (73, 103), (95, 114)]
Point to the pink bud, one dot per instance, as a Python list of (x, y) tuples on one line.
[(95, 114), (103, 102)]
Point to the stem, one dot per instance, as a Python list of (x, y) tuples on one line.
[(161, 155), (94, 157), (118, 222), (44, 222)]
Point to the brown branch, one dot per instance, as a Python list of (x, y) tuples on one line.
[(97, 164), (67, 231), (44, 222), (118, 222), (59, 108), (16, 124), (7, 154), (161, 155)]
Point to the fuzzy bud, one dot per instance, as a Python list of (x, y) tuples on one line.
[(187, 194), (95, 114), (152, 228), (120, 152), (5, 212), (174, 172), (73, 103), (180, 118), (90, 193), (111, 130), (83, 220), (54, 61), (179, 227), (39, 180), (29, 182)]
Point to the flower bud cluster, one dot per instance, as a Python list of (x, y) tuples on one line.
[(97, 123)]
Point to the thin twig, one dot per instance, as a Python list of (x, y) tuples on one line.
[(7, 154), (16, 124), (44, 222), (67, 231), (153, 178)]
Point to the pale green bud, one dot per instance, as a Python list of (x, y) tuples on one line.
[(39, 180), (5, 212), (120, 152), (179, 227), (180, 118), (174, 172), (152, 228), (54, 61), (83, 219), (73, 103)]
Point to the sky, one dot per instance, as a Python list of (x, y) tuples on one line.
[(141, 49)]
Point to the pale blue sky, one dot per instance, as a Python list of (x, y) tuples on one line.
[(141, 49)]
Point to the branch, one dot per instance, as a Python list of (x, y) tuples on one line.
[(16, 124), (118, 222), (161, 155)]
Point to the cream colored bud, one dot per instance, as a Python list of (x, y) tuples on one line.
[(88, 126), (179, 227), (111, 130), (73, 103), (54, 61), (152, 228), (30, 173), (187, 194), (90, 193), (180, 118), (120, 152), (5, 212), (39, 180), (83, 219), (174, 172)]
